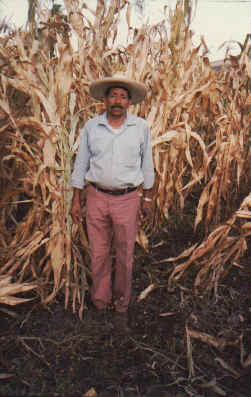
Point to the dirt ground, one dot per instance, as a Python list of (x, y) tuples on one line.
[(179, 345)]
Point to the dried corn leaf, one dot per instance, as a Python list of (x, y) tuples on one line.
[(200, 131), (146, 292)]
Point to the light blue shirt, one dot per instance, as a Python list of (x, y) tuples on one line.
[(114, 159)]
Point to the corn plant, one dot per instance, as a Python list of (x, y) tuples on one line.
[(199, 121)]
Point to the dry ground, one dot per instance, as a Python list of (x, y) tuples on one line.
[(48, 351)]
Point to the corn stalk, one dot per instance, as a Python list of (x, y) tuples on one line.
[(222, 249), (199, 121)]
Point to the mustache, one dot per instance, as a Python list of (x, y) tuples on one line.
[(117, 107)]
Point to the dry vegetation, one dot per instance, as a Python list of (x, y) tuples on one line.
[(191, 331), (200, 124)]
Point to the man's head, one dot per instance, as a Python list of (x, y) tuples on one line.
[(117, 101), (100, 88)]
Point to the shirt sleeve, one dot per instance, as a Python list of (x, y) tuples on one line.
[(147, 161), (82, 161)]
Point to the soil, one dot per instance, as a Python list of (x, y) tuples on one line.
[(179, 344)]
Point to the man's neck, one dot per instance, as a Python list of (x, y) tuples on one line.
[(115, 122)]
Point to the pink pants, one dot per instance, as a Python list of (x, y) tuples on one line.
[(111, 220)]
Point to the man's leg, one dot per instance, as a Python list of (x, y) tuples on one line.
[(125, 219), (100, 234)]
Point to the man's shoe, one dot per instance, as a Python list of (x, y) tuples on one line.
[(133, 298), (96, 313), (121, 322)]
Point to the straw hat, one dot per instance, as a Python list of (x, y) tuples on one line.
[(137, 90)]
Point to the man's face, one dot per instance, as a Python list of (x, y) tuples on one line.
[(117, 102)]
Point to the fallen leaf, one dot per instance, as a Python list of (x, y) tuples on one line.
[(146, 291), (166, 314), (91, 393)]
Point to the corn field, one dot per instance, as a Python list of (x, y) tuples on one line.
[(200, 126)]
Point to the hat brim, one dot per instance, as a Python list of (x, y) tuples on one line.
[(98, 88)]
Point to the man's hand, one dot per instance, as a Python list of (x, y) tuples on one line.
[(76, 211), (146, 212)]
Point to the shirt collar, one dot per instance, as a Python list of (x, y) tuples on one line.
[(130, 119)]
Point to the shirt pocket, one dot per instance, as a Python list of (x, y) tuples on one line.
[(129, 156), (98, 145), (129, 148)]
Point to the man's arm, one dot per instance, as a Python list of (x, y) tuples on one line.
[(82, 161), (81, 167), (148, 173), (147, 164), (76, 207)]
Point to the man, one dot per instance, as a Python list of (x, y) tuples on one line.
[(114, 158)]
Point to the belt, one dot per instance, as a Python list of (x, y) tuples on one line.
[(117, 192)]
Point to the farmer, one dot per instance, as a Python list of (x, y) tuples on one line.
[(114, 159)]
